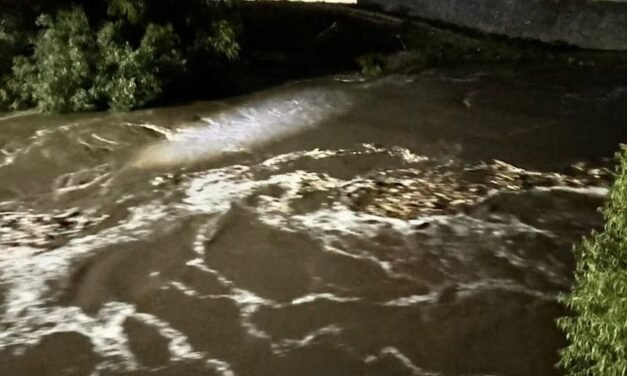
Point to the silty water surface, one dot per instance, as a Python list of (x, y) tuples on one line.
[(222, 238)]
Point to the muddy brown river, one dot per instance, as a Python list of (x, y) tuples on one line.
[(410, 225)]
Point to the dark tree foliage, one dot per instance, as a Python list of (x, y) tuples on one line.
[(119, 54)]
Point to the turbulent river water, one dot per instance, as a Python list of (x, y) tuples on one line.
[(411, 225)]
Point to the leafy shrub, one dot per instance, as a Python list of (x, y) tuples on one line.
[(129, 78), (132, 10), (58, 75), (223, 40), (118, 54), (371, 65), (597, 333)]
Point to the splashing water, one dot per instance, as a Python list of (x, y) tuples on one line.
[(365, 229)]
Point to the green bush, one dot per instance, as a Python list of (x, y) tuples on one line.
[(597, 332), (58, 75), (118, 54), (371, 65), (222, 40), (132, 10), (129, 78)]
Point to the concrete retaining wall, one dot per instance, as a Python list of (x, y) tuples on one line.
[(587, 24)]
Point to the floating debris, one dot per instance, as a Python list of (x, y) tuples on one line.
[(46, 231), (439, 190)]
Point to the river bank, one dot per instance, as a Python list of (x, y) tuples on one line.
[(281, 41)]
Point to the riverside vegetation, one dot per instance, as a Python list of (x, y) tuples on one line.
[(118, 54), (127, 54), (598, 332)]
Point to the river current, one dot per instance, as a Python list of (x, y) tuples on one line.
[(410, 225)]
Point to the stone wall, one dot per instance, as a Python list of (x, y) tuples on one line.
[(584, 23)]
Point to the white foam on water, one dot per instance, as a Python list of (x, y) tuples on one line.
[(407, 362), (336, 224), (403, 359), (310, 298), (363, 149), (180, 348), (166, 133), (589, 191), (26, 271), (247, 302), (105, 140), (19, 114), (285, 346), (409, 301), (37, 140), (469, 289), (82, 179)]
